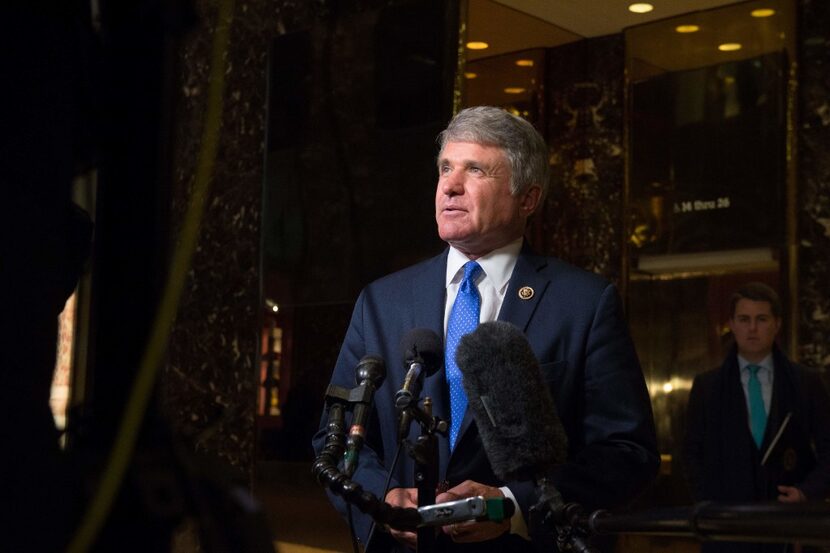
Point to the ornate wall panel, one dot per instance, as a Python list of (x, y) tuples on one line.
[(582, 218)]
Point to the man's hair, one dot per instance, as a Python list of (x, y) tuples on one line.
[(756, 291), (524, 147)]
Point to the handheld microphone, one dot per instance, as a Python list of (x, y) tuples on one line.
[(476, 509), (369, 374), (516, 418), (423, 352)]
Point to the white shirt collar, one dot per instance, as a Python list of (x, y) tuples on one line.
[(497, 265), (766, 363)]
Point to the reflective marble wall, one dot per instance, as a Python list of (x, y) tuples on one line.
[(813, 134), (208, 388), (210, 385)]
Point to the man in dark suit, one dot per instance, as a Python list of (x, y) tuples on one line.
[(492, 174), (758, 427)]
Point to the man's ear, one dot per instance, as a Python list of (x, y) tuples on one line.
[(530, 199)]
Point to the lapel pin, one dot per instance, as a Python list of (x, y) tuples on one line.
[(525, 292)]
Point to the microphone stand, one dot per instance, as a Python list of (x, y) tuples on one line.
[(327, 473), (425, 454), (421, 520), (551, 512)]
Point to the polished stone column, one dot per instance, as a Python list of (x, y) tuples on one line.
[(813, 138)]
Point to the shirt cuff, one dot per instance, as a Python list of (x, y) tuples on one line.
[(517, 521)]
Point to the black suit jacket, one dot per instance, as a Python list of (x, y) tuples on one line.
[(575, 326), (722, 462)]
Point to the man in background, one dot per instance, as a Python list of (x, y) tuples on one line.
[(758, 427)]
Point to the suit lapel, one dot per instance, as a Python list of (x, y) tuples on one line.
[(429, 298), (782, 399), (526, 288)]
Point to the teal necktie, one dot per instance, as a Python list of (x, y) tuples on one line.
[(757, 412), (463, 320)]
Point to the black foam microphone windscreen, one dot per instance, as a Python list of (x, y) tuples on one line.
[(422, 345), (515, 414)]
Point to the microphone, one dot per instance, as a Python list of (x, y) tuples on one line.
[(476, 509), (519, 426), (369, 374), (516, 417), (423, 352)]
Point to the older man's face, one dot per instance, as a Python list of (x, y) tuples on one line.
[(474, 208)]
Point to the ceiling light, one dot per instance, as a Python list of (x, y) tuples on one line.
[(477, 45), (470, 75), (524, 63), (514, 90), (762, 12), (668, 387), (729, 46), (640, 8), (687, 28)]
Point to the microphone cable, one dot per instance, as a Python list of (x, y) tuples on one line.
[(352, 533), (333, 454), (385, 491)]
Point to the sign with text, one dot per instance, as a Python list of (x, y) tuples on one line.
[(708, 167)]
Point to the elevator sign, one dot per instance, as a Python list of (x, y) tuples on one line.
[(690, 206)]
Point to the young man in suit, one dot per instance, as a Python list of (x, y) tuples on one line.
[(758, 427), (492, 175)]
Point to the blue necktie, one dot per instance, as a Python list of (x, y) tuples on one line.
[(757, 412), (463, 320)]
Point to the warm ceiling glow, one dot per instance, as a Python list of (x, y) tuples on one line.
[(640, 8), (762, 12), (477, 45), (514, 90), (729, 47), (667, 387), (470, 75), (524, 63), (687, 28)]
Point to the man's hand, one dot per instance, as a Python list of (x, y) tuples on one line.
[(404, 497), (468, 532), (791, 494)]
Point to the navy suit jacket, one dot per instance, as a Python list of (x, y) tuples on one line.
[(575, 326)]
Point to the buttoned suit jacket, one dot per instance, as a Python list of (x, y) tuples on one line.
[(575, 326)]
